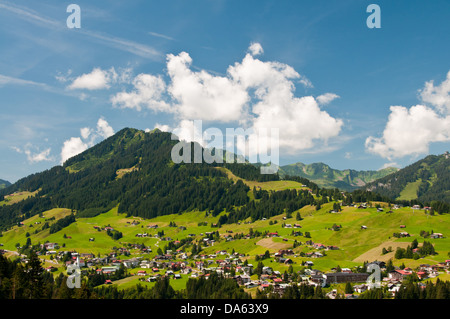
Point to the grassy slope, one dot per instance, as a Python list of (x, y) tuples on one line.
[(269, 186), (17, 197), (355, 244), (410, 190)]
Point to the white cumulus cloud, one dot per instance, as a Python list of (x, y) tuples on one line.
[(256, 49), (254, 93), (89, 137), (148, 93), (410, 131), (439, 96)]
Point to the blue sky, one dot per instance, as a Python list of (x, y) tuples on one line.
[(340, 92)]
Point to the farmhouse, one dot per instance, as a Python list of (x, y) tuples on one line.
[(399, 274), (50, 246)]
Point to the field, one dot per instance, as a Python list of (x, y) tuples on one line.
[(17, 197), (410, 191), (269, 186)]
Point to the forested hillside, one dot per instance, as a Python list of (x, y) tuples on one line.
[(134, 170), (426, 180), (4, 183)]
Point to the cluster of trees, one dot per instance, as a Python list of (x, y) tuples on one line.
[(271, 204), (413, 290), (301, 291), (62, 223), (426, 249), (114, 234)]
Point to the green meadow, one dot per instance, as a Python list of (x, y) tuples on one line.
[(356, 245)]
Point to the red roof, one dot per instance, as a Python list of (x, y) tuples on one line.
[(403, 272)]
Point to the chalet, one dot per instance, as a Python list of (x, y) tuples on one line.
[(131, 263), (251, 284), (51, 246), (142, 273), (363, 227), (402, 226), (393, 288), (297, 226), (399, 274), (360, 288), (286, 251), (436, 235), (272, 234), (380, 264), (416, 207), (404, 234), (379, 209), (242, 279), (346, 270), (267, 270), (109, 269), (421, 274), (318, 279), (319, 246)]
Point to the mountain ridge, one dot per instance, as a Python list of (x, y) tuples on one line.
[(325, 176), (425, 180)]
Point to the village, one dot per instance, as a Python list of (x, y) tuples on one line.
[(178, 264)]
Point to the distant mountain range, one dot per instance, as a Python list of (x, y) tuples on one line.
[(326, 177), (4, 183), (425, 180)]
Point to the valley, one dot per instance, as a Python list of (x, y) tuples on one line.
[(129, 217)]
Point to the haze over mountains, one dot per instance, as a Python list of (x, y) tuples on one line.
[(326, 177), (4, 183)]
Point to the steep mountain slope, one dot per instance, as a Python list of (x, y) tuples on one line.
[(325, 176), (132, 168), (134, 171), (426, 180)]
